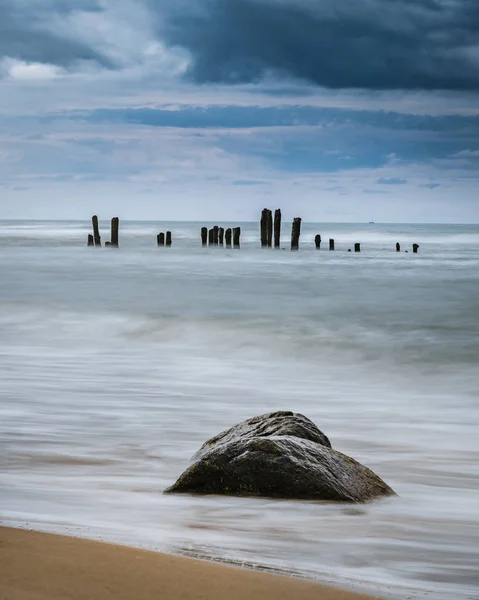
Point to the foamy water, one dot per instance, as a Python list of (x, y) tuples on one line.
[(116, 365)]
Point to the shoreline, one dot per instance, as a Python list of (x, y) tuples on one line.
[(38, 565)]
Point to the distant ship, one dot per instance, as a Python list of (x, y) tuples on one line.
[(371, 222)]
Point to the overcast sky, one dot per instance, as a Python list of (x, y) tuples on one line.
[(333, 110)]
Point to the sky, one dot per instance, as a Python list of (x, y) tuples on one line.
[(331, 110)]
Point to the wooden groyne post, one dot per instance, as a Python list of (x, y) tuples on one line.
[(331, 244), (96, 231), (317, 242), (415, 248), (236, 237), (215, 235), (269, 229), (295, 233), (90, 240), (115, 226), (277, 228), (228, 237), (221, 235), (204, 236), (210, 237), (161, 239), (398, 247), (168, 239), (266, 226), (357, 247), (262, 227)]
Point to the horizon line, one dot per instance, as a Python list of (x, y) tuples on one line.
[(63, 220)]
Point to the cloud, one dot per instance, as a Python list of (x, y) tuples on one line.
[(18, 69), (391, 181), (466, 154), (430, 186), (212, 116), (27, 33), (374, 45), (380, 192), (249, 182), (116, 143), (377, 45), (96, 108)]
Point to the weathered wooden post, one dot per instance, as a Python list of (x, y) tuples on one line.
[(398, 247), (236, 237), (228, 237), (277, 228), (221, 235), (115, 226), (168, 239), (295, 233), (331, 244), (269, 229), (215, 235), (90, 240), (264, 228), (317, 241), (204, 236), (210, 237), (415, 248), (357, 247), (161, 239), (96, 231)]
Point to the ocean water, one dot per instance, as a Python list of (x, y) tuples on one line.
[(116, 365)]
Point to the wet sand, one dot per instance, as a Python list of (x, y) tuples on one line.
[(41, 566)]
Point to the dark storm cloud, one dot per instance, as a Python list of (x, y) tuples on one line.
[(25, 33), (373, 44)]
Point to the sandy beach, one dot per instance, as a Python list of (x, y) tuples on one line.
[(41, 566)]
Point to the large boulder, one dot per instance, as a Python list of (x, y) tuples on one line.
[(278, 455)]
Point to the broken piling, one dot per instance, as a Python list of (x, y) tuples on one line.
[(295, 233), (277, 228), (96, 231)]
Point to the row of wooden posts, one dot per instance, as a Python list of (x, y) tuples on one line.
[(163, 240), (266, 232), (270, 230), (95, 239), (216, 236)]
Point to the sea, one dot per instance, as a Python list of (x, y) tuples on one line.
[(117, 364)]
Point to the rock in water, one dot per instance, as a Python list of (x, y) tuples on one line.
[(278, 455)]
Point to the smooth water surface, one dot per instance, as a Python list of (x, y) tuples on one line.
[(116, 365)]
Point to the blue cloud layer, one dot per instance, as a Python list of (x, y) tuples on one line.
[(302, 138), (283, 116)]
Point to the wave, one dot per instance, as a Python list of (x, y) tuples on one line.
[(304, 343)]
